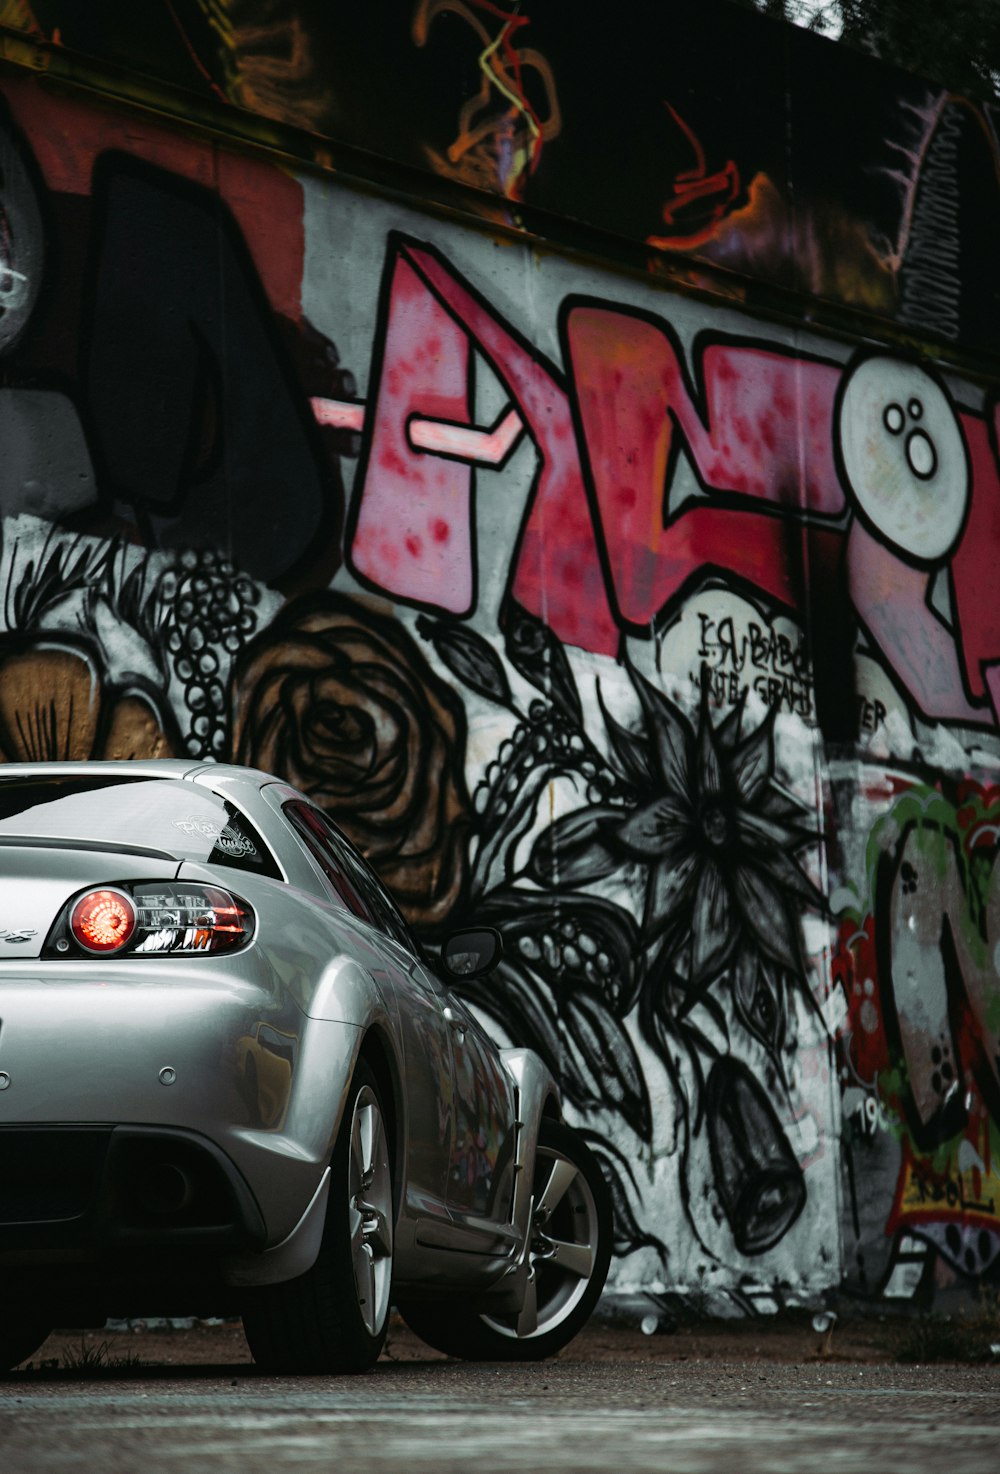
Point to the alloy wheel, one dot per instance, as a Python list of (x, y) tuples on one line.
[(370, 1211), (563, 1249)]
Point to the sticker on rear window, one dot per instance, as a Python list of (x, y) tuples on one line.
[(235, 843), (204, 827), (228, 839)]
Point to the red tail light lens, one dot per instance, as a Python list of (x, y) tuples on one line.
[(103, 921)]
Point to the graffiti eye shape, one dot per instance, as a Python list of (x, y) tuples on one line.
[(893, 419), (21, 244), (907, 469), (921, 455)]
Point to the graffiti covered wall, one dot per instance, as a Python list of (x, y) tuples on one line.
[(656, 631)]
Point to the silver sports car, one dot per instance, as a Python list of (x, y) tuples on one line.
[(232, 1083)]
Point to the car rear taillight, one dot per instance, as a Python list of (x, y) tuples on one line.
[(152, 918), (190, 918), (103, 921)]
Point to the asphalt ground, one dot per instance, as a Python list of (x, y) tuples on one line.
[(861, 1339), (706, 1398)]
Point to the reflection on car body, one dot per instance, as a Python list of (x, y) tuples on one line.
[(236, 1084), (265, 1059)]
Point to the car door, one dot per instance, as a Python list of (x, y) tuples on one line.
[(482, 1102), (479, 1187), (460, 1102), (427, 1077)]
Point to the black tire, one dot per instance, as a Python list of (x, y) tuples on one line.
[(333, 1318), (20, 1337), (571, 1234)]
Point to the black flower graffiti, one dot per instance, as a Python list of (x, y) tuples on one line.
[(716, 835), (690, 812)]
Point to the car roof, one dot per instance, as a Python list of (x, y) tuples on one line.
[(162, 767), (230, 782)]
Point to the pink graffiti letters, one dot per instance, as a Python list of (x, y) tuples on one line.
[(415, 492), (801, 467)]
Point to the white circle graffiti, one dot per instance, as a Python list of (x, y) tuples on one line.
[(904, 456), (21, 244)]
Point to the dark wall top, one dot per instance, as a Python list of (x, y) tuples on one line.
[(693, 131)]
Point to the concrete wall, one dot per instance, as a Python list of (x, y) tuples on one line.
[(653, 624)]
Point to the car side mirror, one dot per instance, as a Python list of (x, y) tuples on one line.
[(468, 954)]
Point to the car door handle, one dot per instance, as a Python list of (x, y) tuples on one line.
[(456, 1021)]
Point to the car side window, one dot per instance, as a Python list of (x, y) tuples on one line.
[(351, 877), (308, 824), (382, 904)]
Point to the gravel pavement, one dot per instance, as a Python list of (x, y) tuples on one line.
[(705, 1399)]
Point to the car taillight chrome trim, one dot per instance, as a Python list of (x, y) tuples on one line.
[(167, 918), (190, 918)]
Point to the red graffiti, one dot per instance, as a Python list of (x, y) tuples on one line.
[(650, 478), (425, 373), (638, 414), (973, 565), (699, 199), (558, 573)]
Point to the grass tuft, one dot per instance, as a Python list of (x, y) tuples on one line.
[(967, 1336), (99, 1358)]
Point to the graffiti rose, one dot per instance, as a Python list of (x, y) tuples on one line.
[(342, 703)]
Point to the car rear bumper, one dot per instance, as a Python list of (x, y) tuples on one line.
[(83, 1191), (176, 1050)]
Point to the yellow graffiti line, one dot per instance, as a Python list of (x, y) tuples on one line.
[(497, 74)]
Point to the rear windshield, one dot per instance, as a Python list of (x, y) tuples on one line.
[(176, 818)]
